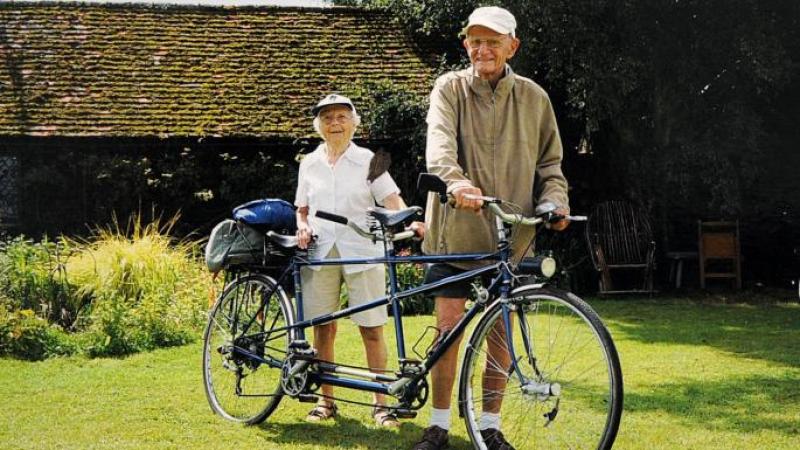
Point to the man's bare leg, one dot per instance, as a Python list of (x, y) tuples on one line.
[(449, 311), (498, 363)]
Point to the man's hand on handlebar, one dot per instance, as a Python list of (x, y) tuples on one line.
[(562, 223), (460, 194)]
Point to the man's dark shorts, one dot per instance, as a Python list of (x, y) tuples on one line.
[(437, 271)]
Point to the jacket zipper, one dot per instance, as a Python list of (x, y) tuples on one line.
[(494, 143)]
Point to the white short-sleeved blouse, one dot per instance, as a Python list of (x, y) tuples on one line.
[(341, 189)]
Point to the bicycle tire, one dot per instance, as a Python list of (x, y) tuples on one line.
[(568, 345), (238, 387)]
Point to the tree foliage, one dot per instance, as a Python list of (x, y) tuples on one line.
[(687, 107), (669, 94), (671, 91)]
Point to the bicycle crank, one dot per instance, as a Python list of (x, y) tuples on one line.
[(294, 377)]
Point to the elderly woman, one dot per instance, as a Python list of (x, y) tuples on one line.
[(333, 178)]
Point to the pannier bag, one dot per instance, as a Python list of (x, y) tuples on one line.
[(241, 241), (233, 243)]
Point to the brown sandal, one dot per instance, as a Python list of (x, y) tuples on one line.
[(385, 417), (322, 412)]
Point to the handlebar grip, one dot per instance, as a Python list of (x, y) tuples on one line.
[(332, 217)]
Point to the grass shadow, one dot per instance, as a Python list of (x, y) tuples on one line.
[(743, 404), (765, 331), (348, 432)]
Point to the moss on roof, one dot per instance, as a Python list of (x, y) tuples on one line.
[(138, 70)]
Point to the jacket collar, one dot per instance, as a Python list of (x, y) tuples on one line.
[(482, 87)]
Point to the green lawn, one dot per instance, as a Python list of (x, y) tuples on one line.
[(697, 376)]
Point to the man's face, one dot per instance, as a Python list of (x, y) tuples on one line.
[(489, 50), (336, 123)]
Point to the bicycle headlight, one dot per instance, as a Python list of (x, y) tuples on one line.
[(548, 267), (541, 265)]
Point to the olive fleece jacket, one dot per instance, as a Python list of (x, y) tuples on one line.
[(504, 141)]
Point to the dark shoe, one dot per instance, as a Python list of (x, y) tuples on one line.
[(434, 438), (495, 440)]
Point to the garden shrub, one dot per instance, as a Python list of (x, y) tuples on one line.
[(148, 291), (120, 292), (32, 277), (25, 335), (409, 276)]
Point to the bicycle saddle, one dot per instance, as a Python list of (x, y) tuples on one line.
[(390, 217), (284, 241)]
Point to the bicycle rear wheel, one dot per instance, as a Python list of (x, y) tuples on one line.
[(568, 390), (245, 344)]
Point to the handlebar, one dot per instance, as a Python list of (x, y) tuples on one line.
[(332, 217), (493, 204), (360, 231)]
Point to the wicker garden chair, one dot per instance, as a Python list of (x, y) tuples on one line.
[(620, 238)]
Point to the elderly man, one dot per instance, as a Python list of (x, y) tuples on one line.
[(490, 132)]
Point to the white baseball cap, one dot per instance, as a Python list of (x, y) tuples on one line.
[(492, 17), (333, 99)]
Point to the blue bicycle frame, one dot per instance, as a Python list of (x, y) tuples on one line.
[(500, 287)]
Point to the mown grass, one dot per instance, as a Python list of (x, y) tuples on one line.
[(697, 376)]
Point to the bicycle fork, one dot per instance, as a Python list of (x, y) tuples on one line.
[(534, 387)]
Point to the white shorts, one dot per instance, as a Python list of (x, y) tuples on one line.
[(322, 288)]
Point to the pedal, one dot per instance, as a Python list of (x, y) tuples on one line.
[(307, 398), (403, 413), (404, 361), (410, 367)]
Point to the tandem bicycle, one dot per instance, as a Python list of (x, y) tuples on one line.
[(539, 354)]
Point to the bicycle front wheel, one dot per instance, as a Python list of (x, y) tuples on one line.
[(245, 344), (566, 389)]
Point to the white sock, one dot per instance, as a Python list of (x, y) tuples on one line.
[(489, 420), (440, 418)]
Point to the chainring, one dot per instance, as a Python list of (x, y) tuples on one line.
[(293, 384)]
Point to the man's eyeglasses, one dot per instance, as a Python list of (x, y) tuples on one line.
[(474, 42)]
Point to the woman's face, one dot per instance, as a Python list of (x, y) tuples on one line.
[(336, 123)]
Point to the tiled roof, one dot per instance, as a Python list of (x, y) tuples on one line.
[(136, 70)]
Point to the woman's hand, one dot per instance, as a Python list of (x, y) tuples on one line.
[(304, 235), (418, 228), (304, 232)]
